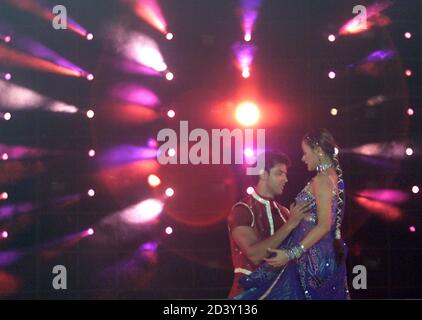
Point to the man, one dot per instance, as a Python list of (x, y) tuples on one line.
[(258, 223)]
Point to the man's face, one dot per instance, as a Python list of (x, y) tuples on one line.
[(277, 179)]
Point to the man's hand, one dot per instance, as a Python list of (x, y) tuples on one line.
[(297, 213), (279, 260)]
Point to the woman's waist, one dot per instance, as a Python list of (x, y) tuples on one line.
[(302, 230), (311, 218)]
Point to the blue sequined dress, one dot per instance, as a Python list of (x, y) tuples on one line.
[(316, 275)]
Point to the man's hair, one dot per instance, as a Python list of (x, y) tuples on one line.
[(271, 160)]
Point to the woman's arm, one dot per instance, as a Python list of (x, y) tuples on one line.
[(323, 191)]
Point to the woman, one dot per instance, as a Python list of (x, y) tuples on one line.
[(310, 264)]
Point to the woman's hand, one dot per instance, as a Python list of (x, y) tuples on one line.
[(279, 260)]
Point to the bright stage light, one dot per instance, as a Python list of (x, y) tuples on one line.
[(90, 114), (91, 192), (249, 153), (152, 143), (4, 234), (410, 111), (408, 73), (249, 10), (143, 212), (336, 151), (171, 152), (169, 230), (169, 36), (140, 49), (331, 38), (169, 192), (407, 35), (250, 190), (331, 74), (5, 156), (153, 180), (91, 153), (169, 76), (244, 54), (90, 77), (31, 54), (409, 151), (7, 77), (171, 114), (4, 196), (150, 12), (7, 39), (90, 231), (246, 73), (247, 114), (21, 98), (89, 36), (334, 111), (7, 116), (415, 189), (412, 229)]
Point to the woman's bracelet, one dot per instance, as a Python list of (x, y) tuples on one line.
[(295, 252)]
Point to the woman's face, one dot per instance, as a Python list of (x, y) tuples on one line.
[(310, 157)]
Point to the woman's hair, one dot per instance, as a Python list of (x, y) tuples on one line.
[(324, 139)]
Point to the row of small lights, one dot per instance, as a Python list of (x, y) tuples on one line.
[(8, 76), (153, 180), (408, 73), (88, 76), (8, 116), (410, 112), (169, 75), (407, 35), (4, 196)]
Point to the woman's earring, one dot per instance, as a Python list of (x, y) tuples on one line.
[(321, 159), (319, 165)]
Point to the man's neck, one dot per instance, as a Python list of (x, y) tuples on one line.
[(263, 191)]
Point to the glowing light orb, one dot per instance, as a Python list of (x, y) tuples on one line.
[(247, 113)]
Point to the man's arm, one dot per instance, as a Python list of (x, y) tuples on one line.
[(256, 250)]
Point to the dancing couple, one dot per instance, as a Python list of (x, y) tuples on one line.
[(296, 254)]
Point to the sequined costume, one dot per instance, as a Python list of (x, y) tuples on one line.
[(314, 276), (264, 216)]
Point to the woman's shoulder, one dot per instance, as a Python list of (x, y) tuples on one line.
[(323, 181)]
